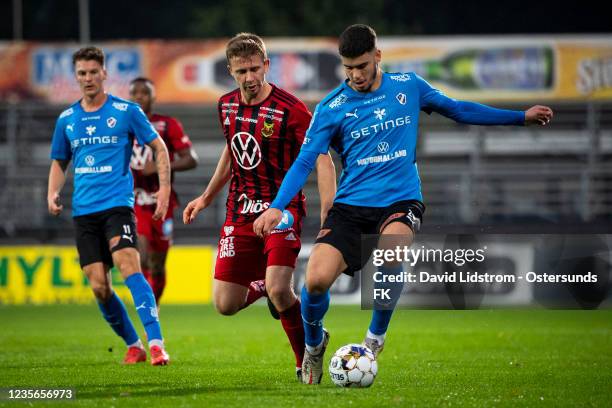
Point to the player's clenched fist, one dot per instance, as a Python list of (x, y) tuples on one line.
[(538, 115), (267, 221), (53, 201), (193, 208)]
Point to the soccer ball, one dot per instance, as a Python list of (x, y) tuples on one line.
[(353, 365)]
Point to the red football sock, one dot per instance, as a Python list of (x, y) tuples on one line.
[(291, 320), (257, 289), (158, 283)]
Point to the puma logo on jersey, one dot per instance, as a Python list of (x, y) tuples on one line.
[(142, 306), (353, 114)]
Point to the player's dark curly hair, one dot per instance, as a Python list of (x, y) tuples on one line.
[(356, 40), (88, 54), (245, 45), (143, 80)]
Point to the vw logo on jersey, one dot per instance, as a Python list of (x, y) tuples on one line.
[(90, 160), (140, 156), (111, 122), (383, 147), (401, 98), (246, 150)]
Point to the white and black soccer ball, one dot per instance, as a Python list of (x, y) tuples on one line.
[(353, 365)]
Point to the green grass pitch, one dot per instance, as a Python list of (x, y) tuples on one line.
[(432, 358)]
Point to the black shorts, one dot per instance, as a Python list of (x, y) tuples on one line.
[(345, 224), (94, 231)]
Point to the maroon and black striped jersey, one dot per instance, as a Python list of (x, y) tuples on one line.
[(171, 131), (263, 141)]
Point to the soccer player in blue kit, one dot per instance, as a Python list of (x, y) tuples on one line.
[(371, 121), (97, 134)]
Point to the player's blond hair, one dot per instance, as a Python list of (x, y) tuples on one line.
[(245, 45)]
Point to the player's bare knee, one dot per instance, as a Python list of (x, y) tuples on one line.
[(281, 297), (226, 309), (226, 306), (124, 266), (127, 261), (316, 285)]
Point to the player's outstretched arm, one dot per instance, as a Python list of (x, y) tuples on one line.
[(538, 115), (162, 162), (57, 178), (218, 180), (473, 113), (326, 181)]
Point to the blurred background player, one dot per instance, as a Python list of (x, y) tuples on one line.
[(264, 127), (155, 236), (96, 134), (373, 119)]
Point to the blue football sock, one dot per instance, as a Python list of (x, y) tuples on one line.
[(144, 300), (383, 310), (115, 314), (314, 308)]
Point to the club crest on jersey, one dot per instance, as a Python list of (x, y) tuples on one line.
[(246, 150), (268, 129), (401, 98), (111, 122), (228, 230)]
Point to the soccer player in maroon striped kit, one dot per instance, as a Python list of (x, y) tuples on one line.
[(155, 236), (264, 127)]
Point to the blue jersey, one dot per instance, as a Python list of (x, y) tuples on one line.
[(100, 146), (375, 134)]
